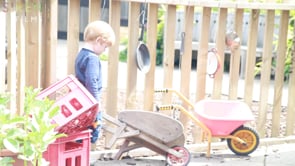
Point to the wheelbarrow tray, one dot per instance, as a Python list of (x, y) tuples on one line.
[(152, 130), (222, 117), (158, 126)]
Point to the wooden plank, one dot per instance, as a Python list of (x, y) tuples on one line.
[(222, 4), (186, 57), (73, 33), (94, 10), (50, 41), (290, 121), (133, 24), (113, 61), (168, 59), (2, 52), (265, 71), (220, 36), (11, 57), (251, 56), (21, 65), (33, 45), (202, 55), (152, 45), (279, 77), (235, 57)]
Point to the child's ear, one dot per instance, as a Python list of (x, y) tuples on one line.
[(100, 40)]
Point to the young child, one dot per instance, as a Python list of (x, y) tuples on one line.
[(98, 35)]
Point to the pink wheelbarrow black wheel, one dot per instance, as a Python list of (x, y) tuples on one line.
[(176, 161)]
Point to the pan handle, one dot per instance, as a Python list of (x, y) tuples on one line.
[(141, 33)]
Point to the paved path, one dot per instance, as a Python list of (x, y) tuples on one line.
[(272, 155)]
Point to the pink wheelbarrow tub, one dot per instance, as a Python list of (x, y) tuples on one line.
[(224, 119)]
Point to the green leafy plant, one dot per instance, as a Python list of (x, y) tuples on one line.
[(288, 59), (30, 134)]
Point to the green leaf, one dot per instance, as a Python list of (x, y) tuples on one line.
[(7, 161), (11, 144)]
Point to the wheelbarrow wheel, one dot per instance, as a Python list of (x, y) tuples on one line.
[(248, 135), (176, 161)]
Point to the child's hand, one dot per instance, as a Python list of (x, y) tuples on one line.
[(96, 124)]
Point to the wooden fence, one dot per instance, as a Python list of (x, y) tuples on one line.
[(28, 42)]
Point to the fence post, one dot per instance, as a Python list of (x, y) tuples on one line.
[(291, 95), (50, 14), (279, 77), (2, 52), (251, 56), (265, 71), (235, 57), (133, 22), (73, 33)]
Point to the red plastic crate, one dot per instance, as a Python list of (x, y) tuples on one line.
[(78, 108), (67, 151)]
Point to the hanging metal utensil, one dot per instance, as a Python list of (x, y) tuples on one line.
[(213, 62), (142, 51)]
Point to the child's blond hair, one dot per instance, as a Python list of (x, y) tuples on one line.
[(99, 29)]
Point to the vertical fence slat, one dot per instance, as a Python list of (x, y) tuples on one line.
[(133, 21), (290, 121), (152, 44), (168, 60), (221, 29), (94, 10), (2, 51), (73, 33), (202, 54), (186, 57), (11, 56), (235, 58), (279, 77), (33, 43), (251, 56), (265, 71), (50, 15), (113, 61), (21, 65)]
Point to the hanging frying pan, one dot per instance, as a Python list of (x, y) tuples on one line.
[(213, 62), (142, 52)]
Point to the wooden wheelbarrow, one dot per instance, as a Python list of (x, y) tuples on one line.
[(157, 132)]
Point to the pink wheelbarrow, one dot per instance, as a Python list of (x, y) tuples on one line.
[(223, 119)]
